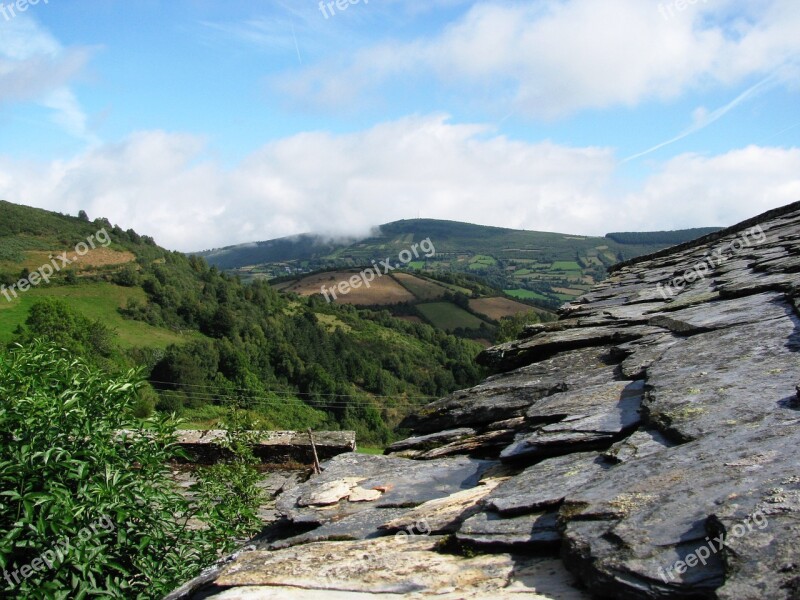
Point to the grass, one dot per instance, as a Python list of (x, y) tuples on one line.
[(526, 294), (565, 265), (447, 316), (332, 323), (369, 450), (98, 301)]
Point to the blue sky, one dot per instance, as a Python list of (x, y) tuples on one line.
[(210, 123)]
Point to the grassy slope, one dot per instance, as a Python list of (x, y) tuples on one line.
[(98, 301)]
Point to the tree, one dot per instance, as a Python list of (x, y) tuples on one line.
[(511, 327), (83, 216), (54, 320)]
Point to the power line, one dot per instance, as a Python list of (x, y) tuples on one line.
[(290, 393), (399, 402), (329, 403)]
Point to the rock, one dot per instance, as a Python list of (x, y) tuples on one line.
[(530, 578), (382, 566), (642, 353), (640, 444), (724, 379), (328, 493), (546, 484), (362, 525), (432, 440), (534, 531), (274, 447), (641, 506), (359, 494), (486, 445), (407, 483), (724, 313), (444, 514), (585, 419), (509, 395), (544, 345)]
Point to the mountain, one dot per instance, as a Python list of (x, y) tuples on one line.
[(545, 268), (209, 343), (639, 448)]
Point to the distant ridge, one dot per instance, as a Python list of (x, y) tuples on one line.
[(545, 268)]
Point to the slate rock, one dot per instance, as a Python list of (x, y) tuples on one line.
[(534, 531), (546, 484), (404, 483), (638, 445), (509, 395), (544, 345), (583, 419)]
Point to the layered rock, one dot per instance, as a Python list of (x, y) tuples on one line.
[(645, 442)]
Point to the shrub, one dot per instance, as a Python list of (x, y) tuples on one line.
[(72, 481)]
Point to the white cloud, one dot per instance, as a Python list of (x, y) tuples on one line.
[(35, 67), (692, 190), (549, 59), (163, 185)]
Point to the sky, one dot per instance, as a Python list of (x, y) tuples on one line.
[(209, 123)]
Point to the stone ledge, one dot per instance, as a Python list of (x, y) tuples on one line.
[(273, 446)]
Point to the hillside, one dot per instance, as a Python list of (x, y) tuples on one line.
[(545, 268), (640, 448), (209, 343)]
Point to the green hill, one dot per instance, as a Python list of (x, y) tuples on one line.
[(544, 268), (208, 342)]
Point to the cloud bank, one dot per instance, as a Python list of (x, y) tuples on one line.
[(163, 184)]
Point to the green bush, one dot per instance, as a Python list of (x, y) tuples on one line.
[(71, 480)]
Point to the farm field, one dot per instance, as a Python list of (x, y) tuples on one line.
[(497, 308), (447, 316), (382, 291), (423, 289), (525, 294), (99, 257)]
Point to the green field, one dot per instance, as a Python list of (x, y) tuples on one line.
[(98, 301), (448, 316), (565, 265), (526, 294)]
